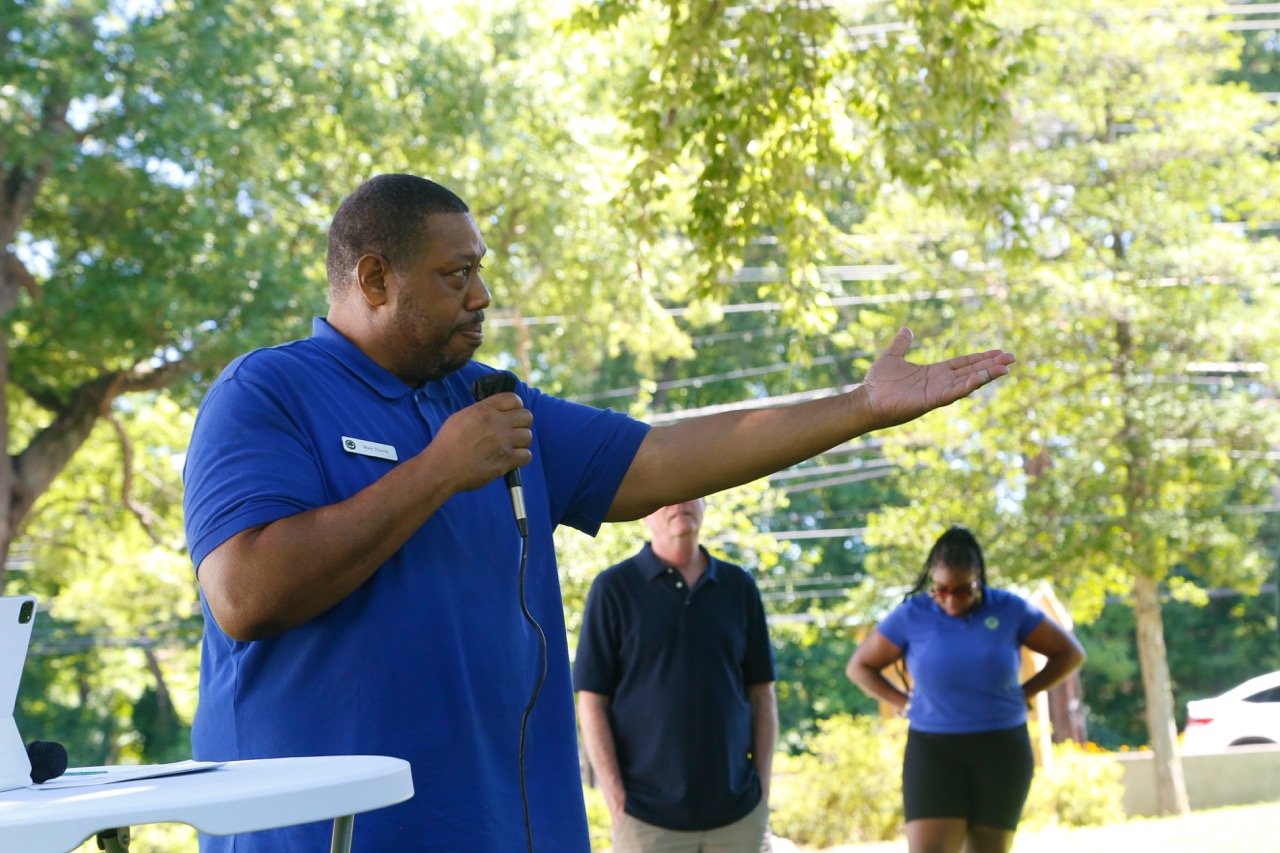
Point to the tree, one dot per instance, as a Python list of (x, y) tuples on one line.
[(112, 663), (759, 136), (1213, 646), (164, 197), (163, 209), (1143, 310), (780, 122), (163, 194)]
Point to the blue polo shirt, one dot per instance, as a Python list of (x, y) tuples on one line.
[(964, 669), (676, 664), (430, 659)]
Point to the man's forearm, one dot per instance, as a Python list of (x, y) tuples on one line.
[(764, 733), (705, 455), (269, 579), (272, 578), (708, 454), (597, 737)]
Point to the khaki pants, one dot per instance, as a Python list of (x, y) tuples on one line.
[(748, 835)]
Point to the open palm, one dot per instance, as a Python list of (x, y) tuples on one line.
[(899, 391)]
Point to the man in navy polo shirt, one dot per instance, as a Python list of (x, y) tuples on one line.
[(355, 547), (674, 675)]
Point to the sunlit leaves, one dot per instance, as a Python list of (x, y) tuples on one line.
[(783, 121)]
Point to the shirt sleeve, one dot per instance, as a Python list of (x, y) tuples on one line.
[(247, 465), (1029, 618), (894, 626), (596, 665), (586, 452), (758, 667)]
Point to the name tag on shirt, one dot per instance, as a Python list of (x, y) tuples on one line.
[(364, 447)]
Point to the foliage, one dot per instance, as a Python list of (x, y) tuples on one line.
[(114, 654), (1120, 291), (176, 194), (812, 686), (620, 173), (1212, 647), (1077, 788), (782, 121), (186, 185), (846, 786), (1130, 449)]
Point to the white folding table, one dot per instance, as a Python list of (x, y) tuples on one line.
[(240, 796)]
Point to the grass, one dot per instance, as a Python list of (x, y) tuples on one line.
[(1226, 830)]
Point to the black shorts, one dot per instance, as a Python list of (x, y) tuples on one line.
[(982, 777)]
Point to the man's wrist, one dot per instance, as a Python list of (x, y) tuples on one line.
[(861, 413)]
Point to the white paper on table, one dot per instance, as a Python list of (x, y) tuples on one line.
[(78, 777)]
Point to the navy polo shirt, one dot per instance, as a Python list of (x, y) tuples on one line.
[(676, 663), (964, 669), (430, 659)]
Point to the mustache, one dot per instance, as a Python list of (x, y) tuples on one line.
[(476, 321)]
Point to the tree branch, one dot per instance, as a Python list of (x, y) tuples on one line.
[(16, 273), (143, 514), (48, 453)]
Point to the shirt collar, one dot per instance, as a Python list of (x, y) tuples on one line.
[(652, 567), (354, 359)]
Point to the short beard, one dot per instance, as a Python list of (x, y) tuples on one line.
[(432, 361)]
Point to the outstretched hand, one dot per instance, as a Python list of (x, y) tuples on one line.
[(899, 391)]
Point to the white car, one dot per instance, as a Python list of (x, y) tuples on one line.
[(1246, 714)]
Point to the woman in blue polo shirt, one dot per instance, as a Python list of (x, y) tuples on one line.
[(968, 762)]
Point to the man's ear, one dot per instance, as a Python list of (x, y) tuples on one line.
[(372, 271)]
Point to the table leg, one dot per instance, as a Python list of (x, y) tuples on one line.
[(342, 829)]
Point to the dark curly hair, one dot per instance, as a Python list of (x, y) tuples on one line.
[(385, 215)]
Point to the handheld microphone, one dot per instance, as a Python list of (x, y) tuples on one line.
[(48, 760), (486, 386)]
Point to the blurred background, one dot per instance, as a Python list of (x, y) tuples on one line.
[(689, 204)]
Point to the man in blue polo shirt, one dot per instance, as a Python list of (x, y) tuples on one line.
[(674, 675), (363, 582)]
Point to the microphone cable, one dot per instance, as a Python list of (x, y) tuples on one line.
[(500, 381), (537, 685)]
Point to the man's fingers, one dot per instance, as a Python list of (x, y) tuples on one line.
[(901, 343), (990, 365)]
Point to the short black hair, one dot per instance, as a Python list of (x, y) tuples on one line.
[(384, 215)]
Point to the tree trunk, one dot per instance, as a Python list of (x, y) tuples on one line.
[(164, 703), (8, 473), (1171, 788)]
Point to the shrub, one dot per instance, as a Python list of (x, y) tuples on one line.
[(845, 787), (1079, 788)]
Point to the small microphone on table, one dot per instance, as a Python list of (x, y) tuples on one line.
[(48, 760)]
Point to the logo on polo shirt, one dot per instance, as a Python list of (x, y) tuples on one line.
[(991, 622), (364, 447)]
